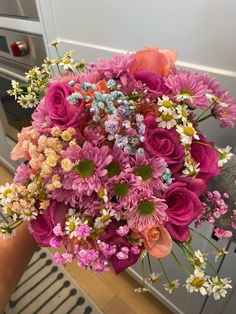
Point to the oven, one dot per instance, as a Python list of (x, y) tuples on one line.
[(19, 9), (18, 53)]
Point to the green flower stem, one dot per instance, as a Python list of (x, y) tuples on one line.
[(143, 278), (201, 235), (149, 263), (186, 253), (180, 264), (164, 271), (204, 111), (206, 117)]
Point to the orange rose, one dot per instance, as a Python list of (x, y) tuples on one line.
[(153, 60), (157, 240)]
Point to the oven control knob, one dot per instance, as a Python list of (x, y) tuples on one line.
[(19, 49)]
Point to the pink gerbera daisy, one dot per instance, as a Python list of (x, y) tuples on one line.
[(90, 168), (146, 210), (188, 87), (150, 169)]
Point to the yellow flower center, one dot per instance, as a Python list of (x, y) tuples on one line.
[(188, 130), (9, 211), (167, 104), (72, 226), (184, 113), (66, 61), (6, 192), (197, 282), (166, 117), (101, 193)]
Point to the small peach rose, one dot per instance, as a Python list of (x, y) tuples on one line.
[(153, 60), (157, 240)]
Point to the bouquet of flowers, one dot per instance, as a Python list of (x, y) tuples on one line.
[(116, 167)]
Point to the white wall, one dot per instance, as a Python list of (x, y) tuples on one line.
[(202, 32)]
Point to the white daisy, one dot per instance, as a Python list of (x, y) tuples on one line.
[(105, 219), (197, 282), (172, 285), (225, 155), (165, 105), (166, 120), (4, 192), (71, 224), (154, 277), (218, 287), (187, 133), (199, 260), (220, 254), (182, 113), (6, 232), (142, 290), (28, 214)]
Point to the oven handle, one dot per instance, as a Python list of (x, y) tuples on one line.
[(12, 75)]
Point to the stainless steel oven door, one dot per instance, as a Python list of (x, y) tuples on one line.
[(12, 115), (19, 8)]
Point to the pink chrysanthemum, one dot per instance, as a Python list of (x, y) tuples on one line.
[(123, 188), (119, 163), (188, 86), (94, 136), (150, 169), (146, 211), (213, 87), (225, 111), (40, 117), (22, 174), (90, 168), (116, 67)]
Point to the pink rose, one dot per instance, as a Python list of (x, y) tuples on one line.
[(183, 207), (61, 112), (157, 240), (42, 226), (153, 60), (207, 157), (163, 143)]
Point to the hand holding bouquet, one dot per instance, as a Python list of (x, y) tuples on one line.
[(116, 165)]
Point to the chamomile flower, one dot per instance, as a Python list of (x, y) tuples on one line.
[(191, 169), (104, 219), (154, 277), (28, 214), (4, 192), (102, 193), (71, 224), (187, 133), (171, 286), (6, 232), (199, 260), (165, 105), (197, 282), (220, 254), (167, 120), (182, 113), (218, 287), (142, 290), (225, 155)]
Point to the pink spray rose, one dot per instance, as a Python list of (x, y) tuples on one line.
[(157, 240), (153, 60), (183, 207), (61, 112), (207, 157), (163, 143), (42, 226)]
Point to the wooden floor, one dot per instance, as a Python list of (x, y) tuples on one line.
[(113, 294)]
